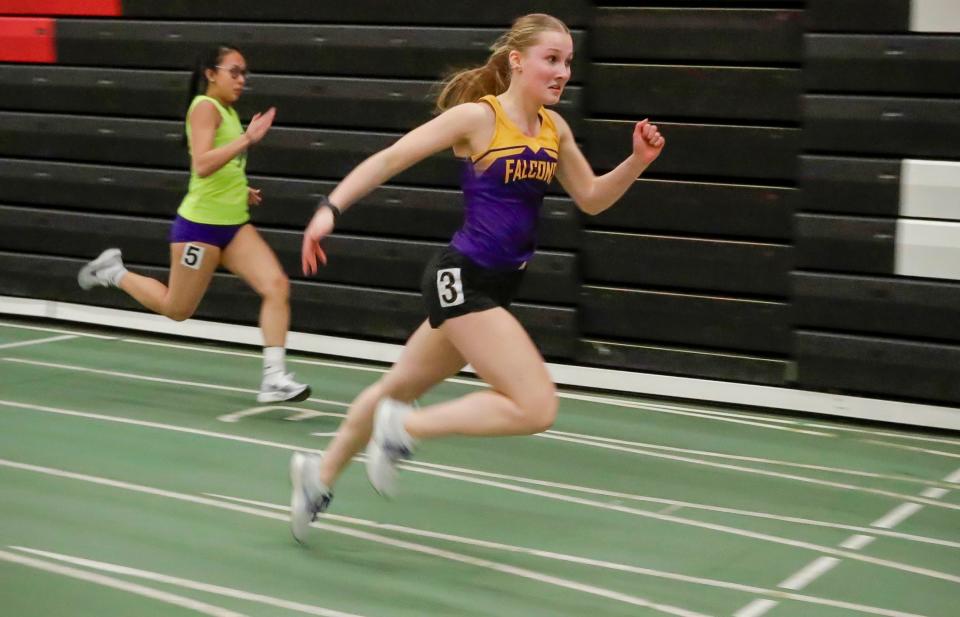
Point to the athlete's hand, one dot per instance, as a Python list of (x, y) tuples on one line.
[(254, 197), (319, 228), (647, 141), (260, 124)]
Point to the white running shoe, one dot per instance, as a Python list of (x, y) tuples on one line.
[(280, 388), (101, 271), (308, 497), (389, 444)]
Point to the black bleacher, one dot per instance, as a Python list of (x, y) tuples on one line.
[(876, 95), (760, 248), (689, 273)]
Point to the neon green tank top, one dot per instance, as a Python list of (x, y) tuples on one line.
[(221, 197)]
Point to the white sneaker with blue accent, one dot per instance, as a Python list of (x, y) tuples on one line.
[(309, 497), (280, 387), (390, 444)]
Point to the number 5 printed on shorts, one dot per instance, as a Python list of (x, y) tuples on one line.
[(192, 256), (449, 287)]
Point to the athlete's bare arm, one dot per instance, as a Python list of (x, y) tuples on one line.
[(594, 194)]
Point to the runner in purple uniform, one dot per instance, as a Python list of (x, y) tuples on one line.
[(494, 118)]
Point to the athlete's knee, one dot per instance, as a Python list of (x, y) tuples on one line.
[(540, 409), (402, 392), (277, 287), (401, 385), (360, 416), (179, 313)]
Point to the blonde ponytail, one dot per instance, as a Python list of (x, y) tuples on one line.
[(469, 85)]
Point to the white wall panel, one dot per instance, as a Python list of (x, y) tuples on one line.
[(935, 16), (928, 248), (930, 189)]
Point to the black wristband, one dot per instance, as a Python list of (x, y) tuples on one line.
[(325, 203)]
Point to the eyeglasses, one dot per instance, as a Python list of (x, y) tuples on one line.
[(235, 71)]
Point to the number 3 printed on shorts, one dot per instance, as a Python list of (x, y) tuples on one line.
[(192, 256), (449, 287)]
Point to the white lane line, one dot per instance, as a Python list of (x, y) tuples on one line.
[(609, 446), (297, 413), (656, 406), (906, 510), (571, 558), (157, 425), (848, 429), (414, 465), (247, 354), (108, 581), (362, 535), (937, 493), (710, 526), (911, 448), (82, 369), (7, 324), (751, 470), (468, 475), (737, 457), (857, 542), (797, 581), (551, 436), (703, 414), (178, 382), (809, 573), (753, 420), (598, 399), (756, 608), (39, 341), (747, 419), (188, 584), (465, 381), (897, 515), (934, 492)]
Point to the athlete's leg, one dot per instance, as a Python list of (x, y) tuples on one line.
[(522, 397), (251, 258), (427, 359), (189, 279)]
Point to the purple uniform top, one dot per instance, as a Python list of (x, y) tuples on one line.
[(503, 190)]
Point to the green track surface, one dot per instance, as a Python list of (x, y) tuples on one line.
[(682, 508)]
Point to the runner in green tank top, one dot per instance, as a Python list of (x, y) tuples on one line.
[(212, 225), (221, 197)]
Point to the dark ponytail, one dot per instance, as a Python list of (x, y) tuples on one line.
[(209, 59)]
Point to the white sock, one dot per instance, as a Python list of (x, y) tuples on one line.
[(400, 411), (312, 484), (115, 274), (273, 360)]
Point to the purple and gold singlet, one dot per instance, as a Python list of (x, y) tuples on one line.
[(503, 190)]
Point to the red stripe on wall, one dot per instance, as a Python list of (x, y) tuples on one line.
[(90, 8), (27, 39)]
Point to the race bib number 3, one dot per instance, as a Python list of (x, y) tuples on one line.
[(449, 287), (192, 256)]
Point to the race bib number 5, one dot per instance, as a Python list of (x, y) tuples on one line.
[(449, 287), (192, 256)]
